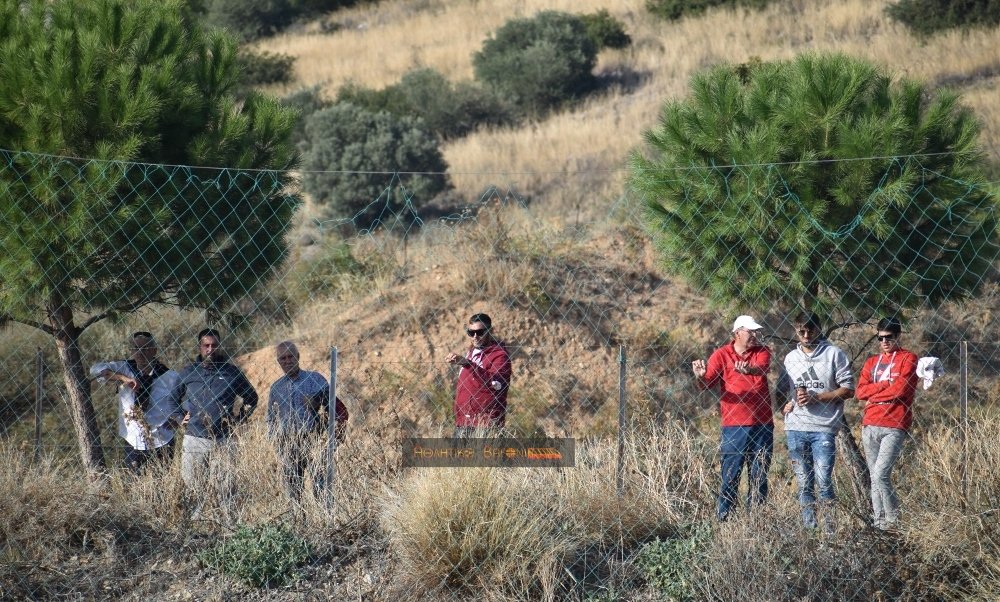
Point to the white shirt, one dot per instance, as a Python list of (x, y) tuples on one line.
[(131, 424)]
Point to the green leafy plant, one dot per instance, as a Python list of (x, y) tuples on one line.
[(347, 152), (262, 68), (538, 63), (673, 10), (926, 17), (262, 556), (305, 102), (322, 274), (666, 563), (447, 110), (605, 30)]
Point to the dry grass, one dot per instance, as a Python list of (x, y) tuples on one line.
[(516, 533), (504, 533)]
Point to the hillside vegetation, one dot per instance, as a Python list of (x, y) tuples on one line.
[(541, 233)]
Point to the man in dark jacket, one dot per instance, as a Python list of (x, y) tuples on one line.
[(481, 394), (207, 391)]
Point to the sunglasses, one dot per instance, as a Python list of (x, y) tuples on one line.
[(886, 337), (476, 333)]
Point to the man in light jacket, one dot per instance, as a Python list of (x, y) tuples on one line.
[(144, 404), (816, 382)]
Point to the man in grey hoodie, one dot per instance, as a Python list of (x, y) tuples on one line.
[(816, 382), (206, 391)]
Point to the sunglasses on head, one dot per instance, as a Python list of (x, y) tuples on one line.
[(477, 332), (886, 337)]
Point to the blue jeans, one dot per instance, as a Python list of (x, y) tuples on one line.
[(812, 455), (750, 445)]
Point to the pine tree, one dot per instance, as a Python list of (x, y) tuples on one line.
[(818, 182), (126, 84)]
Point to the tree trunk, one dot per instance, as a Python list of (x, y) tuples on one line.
[(81, 407), (860, 478)]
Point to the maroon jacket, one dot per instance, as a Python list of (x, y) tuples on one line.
[(481, 394)]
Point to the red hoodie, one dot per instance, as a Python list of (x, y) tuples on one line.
[(746, 400), (481, 394), (888, 383)]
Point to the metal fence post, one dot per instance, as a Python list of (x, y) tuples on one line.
[(620, 468), (964, 405), (39, 395), (331, 431)]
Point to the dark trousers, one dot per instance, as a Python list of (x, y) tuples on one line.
[(750, 445), (137, 459)]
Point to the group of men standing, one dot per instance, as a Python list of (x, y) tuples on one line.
[(210, 397), (815, 381)]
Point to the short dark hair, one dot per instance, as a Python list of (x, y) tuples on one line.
[(890, 325), (209, 332), (484, 318), (807, 318)]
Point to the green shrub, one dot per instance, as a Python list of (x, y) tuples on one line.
[(605, 30), (666, 563), (265, 555), (251, 19), (448, 110), (538, 63), (262, 68), (672, 10), (322, 274), (390, 99), (925, 17), (360, 164), (306, 102)]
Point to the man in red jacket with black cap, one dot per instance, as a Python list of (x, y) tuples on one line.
[(481, 394)]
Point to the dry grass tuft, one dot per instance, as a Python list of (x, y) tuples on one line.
[(520, 533)]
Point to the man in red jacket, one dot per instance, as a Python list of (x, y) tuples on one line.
[(887, 385), (740, 369), (481, 394)]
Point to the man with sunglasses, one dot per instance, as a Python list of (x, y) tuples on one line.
[(816, 382), (887, 385), (740, 370), (144, 404), (481, 393)]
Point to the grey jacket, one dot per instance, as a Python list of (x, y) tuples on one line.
[(209, 394), (827, 368)]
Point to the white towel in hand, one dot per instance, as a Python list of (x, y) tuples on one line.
[(929, 368)]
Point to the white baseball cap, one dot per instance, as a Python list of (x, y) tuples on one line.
[(746, 322)]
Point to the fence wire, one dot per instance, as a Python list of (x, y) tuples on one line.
[(601, 341)]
